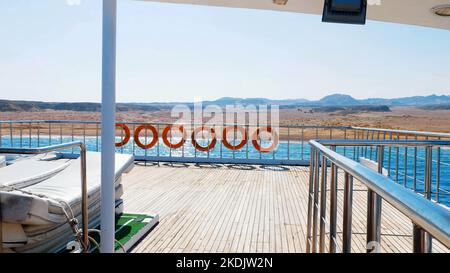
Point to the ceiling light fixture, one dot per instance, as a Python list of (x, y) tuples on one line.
[(443, 10), (280, 2)]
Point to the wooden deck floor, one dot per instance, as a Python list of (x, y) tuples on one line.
[(241, 208)]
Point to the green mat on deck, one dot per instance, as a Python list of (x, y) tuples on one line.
[(130, 228)]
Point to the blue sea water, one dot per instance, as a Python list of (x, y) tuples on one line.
[(286, 151)]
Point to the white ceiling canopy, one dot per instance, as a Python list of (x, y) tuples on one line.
[(413, 12)]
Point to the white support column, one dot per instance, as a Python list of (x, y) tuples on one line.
[(108, 125)]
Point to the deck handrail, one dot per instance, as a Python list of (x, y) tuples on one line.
[(428, 218), (372, 129), (426, 144), (386, 143), (358, 128), (84, 196), (403, 165), (403, 132)]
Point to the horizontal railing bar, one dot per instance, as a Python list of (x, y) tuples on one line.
[(434, 160), (428, 215), (388, 143), (50, 121), (41, 150), (410, 177), (396, 131), (403, 132), (445, 191), (218, 160)]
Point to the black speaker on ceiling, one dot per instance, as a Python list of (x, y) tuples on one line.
[(345, 11)]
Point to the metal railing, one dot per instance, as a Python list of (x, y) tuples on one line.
[(84, 196), (293, 147), (429, 219), (416, 168), (405, 165)]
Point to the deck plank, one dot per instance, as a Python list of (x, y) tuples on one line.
[(243, 208)]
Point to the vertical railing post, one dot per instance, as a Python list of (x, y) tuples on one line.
[(405, 165), (234, 140), (347, 217), (419, 239), (145, 141), (371, 149), (246, 145), (121, 136), (273, 151), (323, 204), (38, 134), (438, 173), (259, 139), (72, 134), (288, 144), (374, 211), (49, 133), (427, 172), (97, 130), (60, 134), (170, 139), (157, 144), (365, 147), (11, 141), (389, 156), (333, 205), (315, 201), (345, 137), (415, 168), (29, 136), (183, 136), (21, 135), (1, 222), (427, 188), (132, 140), (84, 198), (1, 136), (310, 199), (397, 157), (302, 143)]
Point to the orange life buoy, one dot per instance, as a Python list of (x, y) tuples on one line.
[(127, 135), (256, 136), (167, 141), (198, 146), (138, 142), (234, 128)]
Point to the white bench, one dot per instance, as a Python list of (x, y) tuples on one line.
[(36, 222)]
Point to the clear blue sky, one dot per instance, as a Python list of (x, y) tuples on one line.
[(51, 51)]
